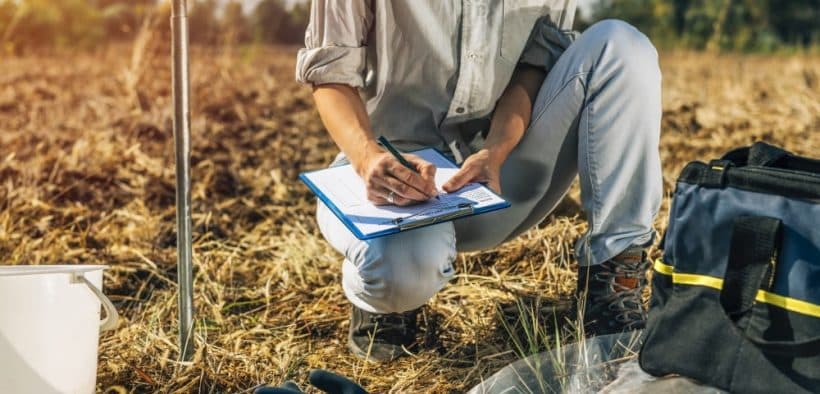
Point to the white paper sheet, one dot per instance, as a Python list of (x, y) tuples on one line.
[(346, 190)]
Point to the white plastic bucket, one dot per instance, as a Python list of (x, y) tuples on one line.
[(50, 326)]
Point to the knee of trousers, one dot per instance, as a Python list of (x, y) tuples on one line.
[(401, 272), (628, 66), (625, 44)]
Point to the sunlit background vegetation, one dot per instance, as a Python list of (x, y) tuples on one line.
[(87, 177), (745, 25)]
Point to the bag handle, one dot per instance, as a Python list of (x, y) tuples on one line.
[(766, 155), (752, 259), (111, 315), (752, 262), (763, 154)]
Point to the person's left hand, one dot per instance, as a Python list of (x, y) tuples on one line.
[(479, 167)]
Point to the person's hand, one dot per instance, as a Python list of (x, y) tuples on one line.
[(387, 179), (479, 167)]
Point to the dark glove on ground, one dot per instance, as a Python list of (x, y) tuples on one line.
[(323, 380)]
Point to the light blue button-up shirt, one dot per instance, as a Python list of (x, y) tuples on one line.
[(431, 71)]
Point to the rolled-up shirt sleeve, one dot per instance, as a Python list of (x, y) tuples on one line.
[(335, 43), (550, 36)]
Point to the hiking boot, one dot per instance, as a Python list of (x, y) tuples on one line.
[(610, 294), (381, 337)]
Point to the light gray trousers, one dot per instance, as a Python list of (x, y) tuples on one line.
[(597, 115)]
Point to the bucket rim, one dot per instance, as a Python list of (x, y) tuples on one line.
[(21, 270)]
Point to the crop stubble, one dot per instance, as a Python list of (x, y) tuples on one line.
[(86, 177)]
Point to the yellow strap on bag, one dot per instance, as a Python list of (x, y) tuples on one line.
[(787, 303)]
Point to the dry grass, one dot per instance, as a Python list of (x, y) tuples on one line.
[(86, 177)]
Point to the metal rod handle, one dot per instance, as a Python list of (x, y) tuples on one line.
[(182, 140)]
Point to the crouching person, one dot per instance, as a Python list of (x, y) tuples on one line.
[(525, 106)]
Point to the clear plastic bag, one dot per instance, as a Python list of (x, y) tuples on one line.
[(605, 364)]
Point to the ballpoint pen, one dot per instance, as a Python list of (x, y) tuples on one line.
[(395, 152)]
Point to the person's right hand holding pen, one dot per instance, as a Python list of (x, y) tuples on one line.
[(401, 158), (388, 181), (412, 181)]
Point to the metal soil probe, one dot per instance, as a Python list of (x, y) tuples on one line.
[(182, 141)]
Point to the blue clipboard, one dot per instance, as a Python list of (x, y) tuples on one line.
[(461, 212)]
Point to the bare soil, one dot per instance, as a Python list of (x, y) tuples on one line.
[(87, 177)]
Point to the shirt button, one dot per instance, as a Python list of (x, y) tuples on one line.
[(472, 55), (460, 110)]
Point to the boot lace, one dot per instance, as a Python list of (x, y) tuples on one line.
[(624, 302)]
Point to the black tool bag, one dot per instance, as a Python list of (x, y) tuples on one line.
[(736, 297)]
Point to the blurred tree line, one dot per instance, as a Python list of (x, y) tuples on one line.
[(745, 25), (30, 24), (748, 25), (268, 22)]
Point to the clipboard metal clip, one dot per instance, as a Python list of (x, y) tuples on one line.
[(463, 209)]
